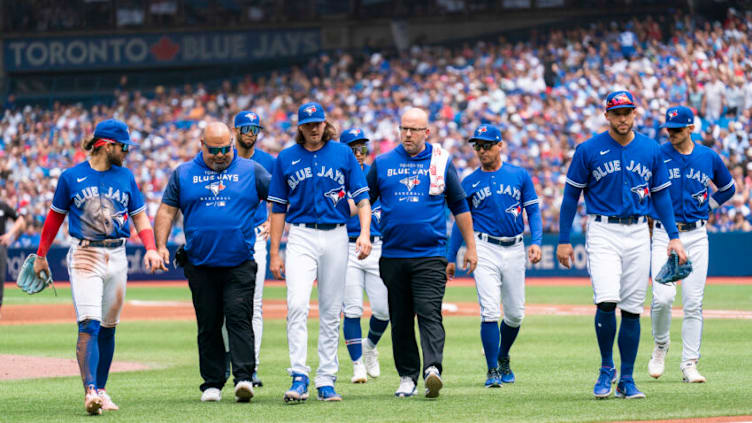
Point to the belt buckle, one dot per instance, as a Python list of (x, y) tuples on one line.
[(483, 237)]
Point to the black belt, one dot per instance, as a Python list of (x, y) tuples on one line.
[(684, 227), (629, 220), (106, 243), (499, 241), (373, 238), (322, 226)]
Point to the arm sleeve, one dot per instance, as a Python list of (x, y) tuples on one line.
[(62, 199), (373, 184), (665, 211), (455, 242), (723, 180), (568, 209), (278, 189), (357, 184), (262, 181), (171, 195), (49, 231), (136, 200), (535, 222)]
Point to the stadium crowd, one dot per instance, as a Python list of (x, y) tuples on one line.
[(545, 94)]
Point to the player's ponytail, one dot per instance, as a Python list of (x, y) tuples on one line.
[(88, 143)]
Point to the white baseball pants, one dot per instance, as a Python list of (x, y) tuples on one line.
[(500, 279), (259, 256), (364, 274)]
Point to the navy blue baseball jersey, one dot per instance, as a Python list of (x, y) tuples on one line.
[(312, 186), (617, 179), (353, 224), (267, 162), (97, 203), (218, 209), (690, 177)]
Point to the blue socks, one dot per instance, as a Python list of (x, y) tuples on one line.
[(353, 334), (508, 335), (87, 351), (605, 331), (629, 341), (489, 336), (106, 351), (376, 328)]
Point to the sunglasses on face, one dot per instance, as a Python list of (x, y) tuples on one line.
[(362, 149), (218, 150), (485, 146), (250, 129), (123, 147)]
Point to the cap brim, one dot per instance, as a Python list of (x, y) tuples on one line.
[(675, 125), (622, 106), (476, 139), (356, 140), (249, 124), (310, 120)]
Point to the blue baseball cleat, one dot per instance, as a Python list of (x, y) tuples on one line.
[(627, 389), (606, 378), (299, 390), (327, 393), (493, 379), (507, 375)]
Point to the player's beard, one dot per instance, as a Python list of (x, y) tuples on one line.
[(245, 145), (115, 159), (624, 132)]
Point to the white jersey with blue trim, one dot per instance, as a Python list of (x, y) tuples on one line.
[(97, 203), (690, 176), (266, 160), (312, 186), (497, 198), (617, 180)]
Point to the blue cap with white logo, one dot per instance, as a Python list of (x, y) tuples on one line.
[(486, 133), (352, 135), (620, 100), (679, 117), (247, 118), (115, 130), (310, 112)]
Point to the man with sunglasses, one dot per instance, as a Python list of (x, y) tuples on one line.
[(218, 194), (691, 168), (623, 175), (363, 274), (496, 194)]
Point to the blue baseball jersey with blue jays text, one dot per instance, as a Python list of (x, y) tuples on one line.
[(496, 200), (218, 209), (690, 177), (617, 180), (353, 224), (413, 222), (97, 203), (312, 186), (267, 162)]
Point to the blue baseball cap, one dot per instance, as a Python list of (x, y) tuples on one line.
[(486, 133), (115, 130), (352, 135), (679, 117), (247, 118), (620, 100), (310, 112)]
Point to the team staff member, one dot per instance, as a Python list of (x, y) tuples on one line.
[(412, 262), (19, 224), (363, 274), (100, 197), (622, 173), (691, 168), (218, 194), (496, 194), (309, 190)]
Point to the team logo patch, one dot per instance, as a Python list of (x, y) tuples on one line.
[(335, 195), (482, 130), (251, 116), (515, 210), (410, 182), (701, 196), (216, 187), (355, 131), (673, 113), (376, 213), (642, 191), (310, 110), (120, 218)]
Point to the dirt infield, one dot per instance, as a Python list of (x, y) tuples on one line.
[(30, 367)]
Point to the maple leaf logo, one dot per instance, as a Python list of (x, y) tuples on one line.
[(165, 49)]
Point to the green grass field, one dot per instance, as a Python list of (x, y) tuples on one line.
[(555, 360)]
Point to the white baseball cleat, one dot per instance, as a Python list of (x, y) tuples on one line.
[(657, 363), (359, 372), (371, 358), (406, 388), (107, 404), (211, 395), (691, 375), (243, 391), (92, 401), (433, 382)]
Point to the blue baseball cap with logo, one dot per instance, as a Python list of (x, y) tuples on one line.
[(620, 100), (311, 112), (679, 117), (352, 135), (247, 118), (115, 130), (486, 133)]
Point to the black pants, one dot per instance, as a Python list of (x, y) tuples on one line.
[(3, 269), (223, 294), (416, 287)]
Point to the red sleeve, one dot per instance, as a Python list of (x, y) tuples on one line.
[(49, 231)]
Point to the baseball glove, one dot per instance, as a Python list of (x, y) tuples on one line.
[(672, 271), (29, 282)]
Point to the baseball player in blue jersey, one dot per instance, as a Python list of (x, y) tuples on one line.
[(621, 173), (496, 194), (100, 197), (363, 274), (309, 190), (691, 167)]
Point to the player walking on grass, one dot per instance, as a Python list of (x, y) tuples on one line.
[(496, 194), (100, 198), (309, 190), (691, 168), (622, 173)]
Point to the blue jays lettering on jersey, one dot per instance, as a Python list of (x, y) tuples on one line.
[(353, 223), (617, 180), (97, 203), (218, 209), (690, 177), (267, 162), (412, 221), (312, 186)]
